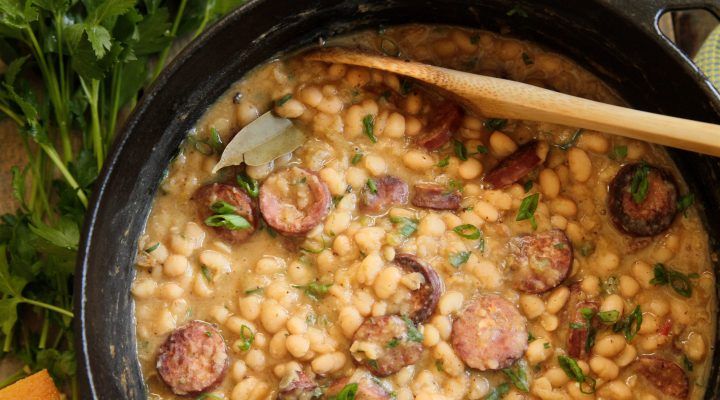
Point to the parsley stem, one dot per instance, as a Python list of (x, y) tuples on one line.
[(7, 111), (44, 331), (55, 158), (161, 60), (47, 306), (13, 378), (115, 86), (92, 95)]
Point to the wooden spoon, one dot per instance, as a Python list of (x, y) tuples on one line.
[(494, 97)]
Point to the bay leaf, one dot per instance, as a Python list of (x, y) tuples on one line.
[(287, 142), (265, 128)]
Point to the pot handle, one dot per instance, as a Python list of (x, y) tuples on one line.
[(648, 11)]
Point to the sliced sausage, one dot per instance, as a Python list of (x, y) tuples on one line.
[(208, 195), (577, 341), (389, 191), (490, 333), (294, 200), (424, 299), (297, 385), (665, 375), (437, 197), (540, 261), (515, 166), (385, 344), (369, 388), (444, 122), (653, 214), (193, 359)]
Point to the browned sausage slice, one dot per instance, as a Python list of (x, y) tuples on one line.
[(651, 215), (515, 166), (489, 334), (441, 126), (193, 359), (208, 195), (425, 298), (368, 387), (294, 200), (665, 375), (389, 191), (297, 385), (437, 197), (540, 261), (386, 344)]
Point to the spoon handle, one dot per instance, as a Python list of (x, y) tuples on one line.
[(495, 97)]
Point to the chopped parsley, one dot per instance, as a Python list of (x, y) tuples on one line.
[(495, 124), (152, 248), (257, 290), (392, 343), (527, 209), (460, 150), (372, 186), (369, 127), (413, 334), (566, 145), (314, 290), (406, 226), (619, 153), (459, 258), (640, 184), (518, 376), (677, 280), (444, 162), (279, 102), (356, 158), (684, 203)]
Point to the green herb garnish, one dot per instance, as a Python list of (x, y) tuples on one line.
[(444, 162), (356, 158), (460, 150), (619, 153), (215, 140), (609, 317), (406, 226), (348, 392), (572, 141), (459, 258), (630, 325), (314, 290), (498, 392), (392, 343), (528, 186), (413, 334), (640, 184), (518, 376), (257, 290), (527, 209), (206, 273), (222, 207), (228, 221), (251, 186), (677, 280), (247, 337), (574, 372), (685, 202), (279, 102), (495, 124), (372, 186), (369, 127), (152, 248), (468, 231)]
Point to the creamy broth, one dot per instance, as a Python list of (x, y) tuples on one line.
[(311, 306)]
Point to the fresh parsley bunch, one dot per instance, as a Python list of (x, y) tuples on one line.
[(70, 71)]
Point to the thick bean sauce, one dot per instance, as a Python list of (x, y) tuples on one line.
[(414, 249)]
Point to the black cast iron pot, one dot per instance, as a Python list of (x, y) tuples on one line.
[(616, 39)]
